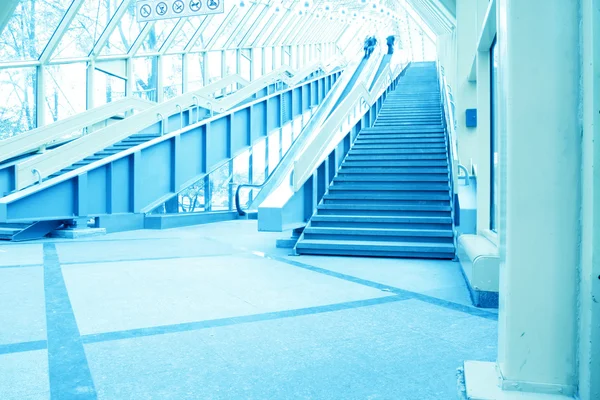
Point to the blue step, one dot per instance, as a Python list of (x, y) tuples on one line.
[(391, 195)]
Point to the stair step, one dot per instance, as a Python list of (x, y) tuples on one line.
[(407, 199), (386, 186), (404, 137), (360, 163), (375, 192), (380, 220), (350, 247), (395, 141), (381, 210), (404, 130), (374, 177), (9, 231), (377, 169), (401, 146), (380, 235), (419, 151), (396, 157)]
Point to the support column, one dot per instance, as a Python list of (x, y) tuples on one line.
[(40, 97), (91, 86), (589, 286), (185, 73), (540, 178), (160, 93)]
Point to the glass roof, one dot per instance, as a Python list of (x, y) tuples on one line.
[(56, 31)]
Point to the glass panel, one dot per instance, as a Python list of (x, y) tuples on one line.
[(125, 33), (274, 150), (277, 55), (241, 174), (30, 28), (286, 55), (192, 198), (259, 154), (108, 88), (195, 78), (219, 185), (17, 109), (259, 26), (249, 24), (286, 139), (214, 66), (185, 34), (268, 59), (494, 193), (212, 26), (232, 24), (257, 57), (230, 62), (172, 75), (230, 68), (65, 90), (86, 28), (157, 35), (245, 64), (145, 74), (270, 31)]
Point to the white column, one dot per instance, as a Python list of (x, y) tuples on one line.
[(130, 84), (40, 97), (185, 73), (252, 53), (90, 85), (540, 164), (160, 93), (204, 68), (589, 286)]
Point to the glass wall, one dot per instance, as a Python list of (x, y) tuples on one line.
[(216, 191), (494, 193), (58, 42)]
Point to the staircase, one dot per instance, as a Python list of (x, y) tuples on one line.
[(131, 141), (18, 232), (391, 196)]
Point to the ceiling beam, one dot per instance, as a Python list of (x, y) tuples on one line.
[(7, 8)]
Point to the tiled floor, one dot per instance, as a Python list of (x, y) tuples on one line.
[(217, 312)]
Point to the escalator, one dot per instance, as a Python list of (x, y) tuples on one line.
[(145, 169), (352, 82)]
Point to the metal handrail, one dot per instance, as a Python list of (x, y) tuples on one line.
[(40, 138), (327, 132), (64, 156), (316, 121)]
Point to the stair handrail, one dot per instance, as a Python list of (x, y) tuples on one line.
[(17, 195), (318, 118), (39, 138), (53, 161), (337, 127), (323, 112), (450, 122)]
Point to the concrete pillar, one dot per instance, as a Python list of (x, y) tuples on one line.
[(540, 165), (589, 285), (540, 172)]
